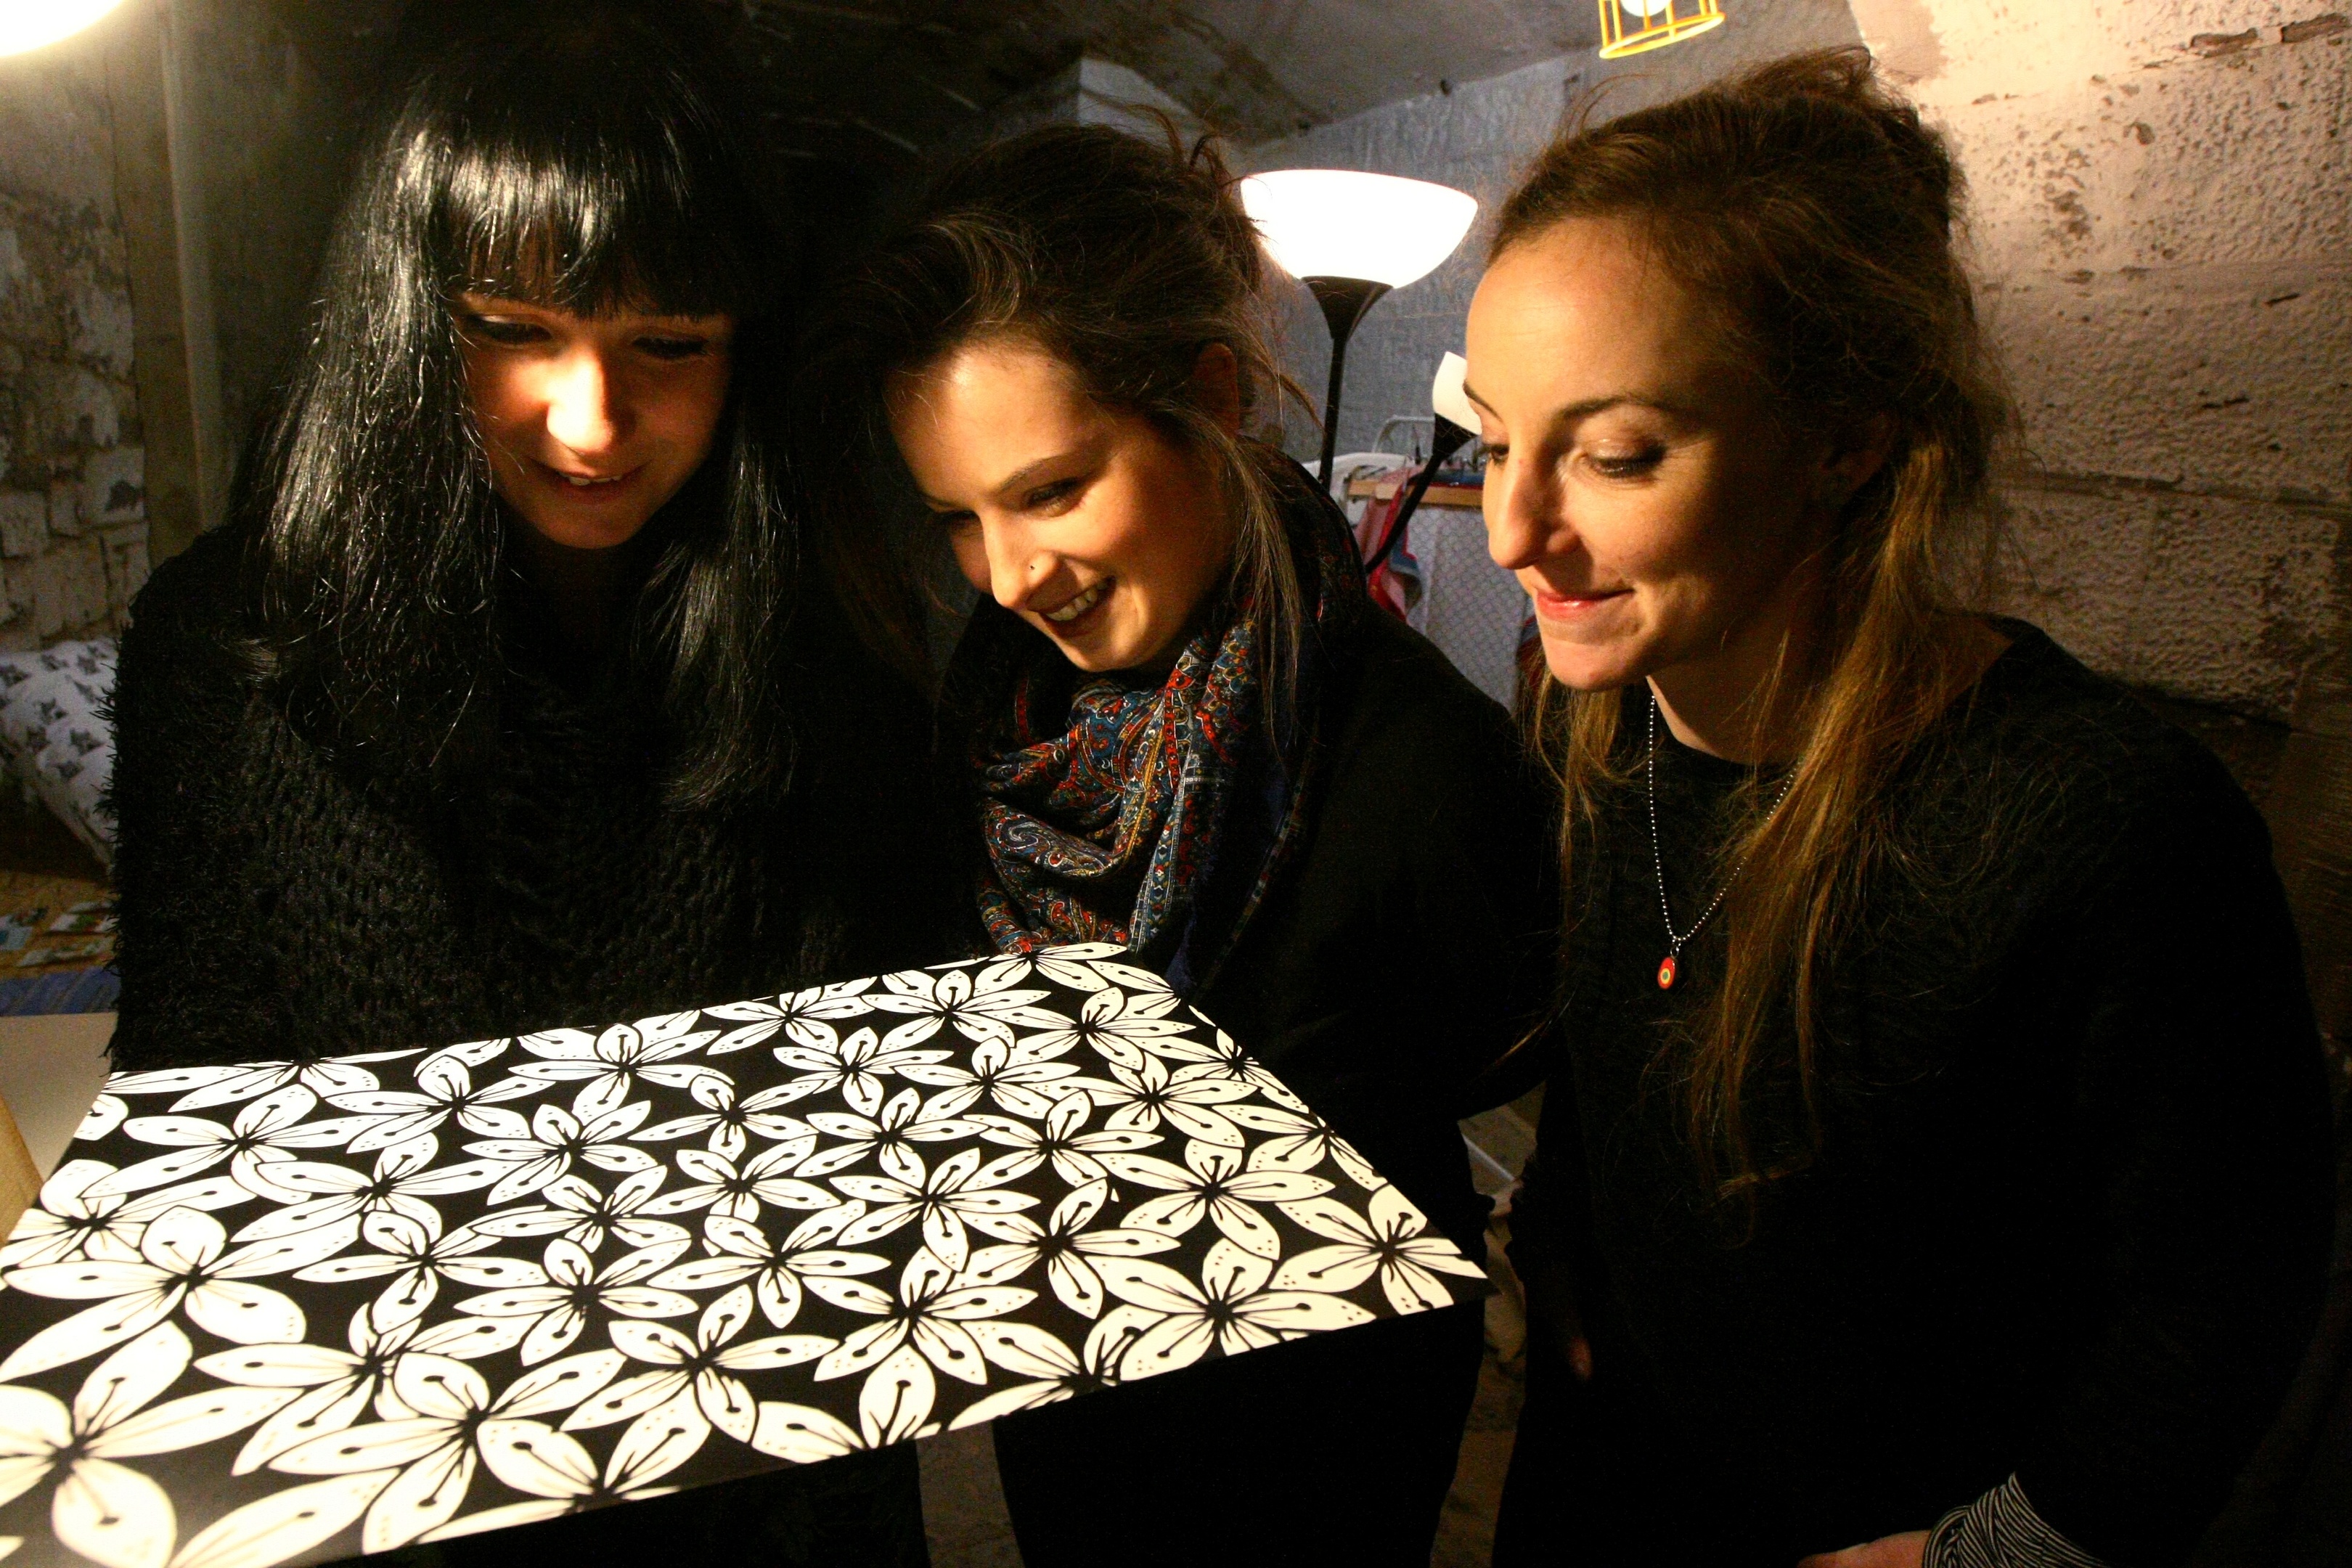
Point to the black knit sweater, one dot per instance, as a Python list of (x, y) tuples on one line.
[(274, 903), (2070, 1213)]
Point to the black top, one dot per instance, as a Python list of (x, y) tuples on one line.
[(2070, 1214), (1409, 941), (273, 903)]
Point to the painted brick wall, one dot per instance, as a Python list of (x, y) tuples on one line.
[(73, 530)]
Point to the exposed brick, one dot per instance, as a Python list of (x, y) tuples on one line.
[(114, 486), (2212, 44), (24, 522), (66, 588), (65, 507), (125, 552)]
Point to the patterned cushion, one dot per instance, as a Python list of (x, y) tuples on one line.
[(54, 737)]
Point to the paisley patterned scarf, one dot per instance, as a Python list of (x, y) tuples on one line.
[(1154, 815)]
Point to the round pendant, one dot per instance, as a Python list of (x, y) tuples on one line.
[(1666, 970)]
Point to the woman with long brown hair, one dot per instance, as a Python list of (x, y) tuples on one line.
[(1937, 1153), (1178, 724)]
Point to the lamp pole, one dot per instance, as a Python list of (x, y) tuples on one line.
[(1445, 438), (1344, 302)]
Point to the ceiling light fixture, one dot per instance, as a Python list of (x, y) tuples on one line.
[(1351, 237), (28, 24), (1653, 24)]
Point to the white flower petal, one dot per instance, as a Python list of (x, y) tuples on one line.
[(425, 1495), (800, 1435), (115, 1516), (88, 1331), (244, 1313), (1026, 1351), (664, 1438), (130, 1377), (896, 1400), (532, 1457), (560, 1384), (189, 1421), (283, 1525)]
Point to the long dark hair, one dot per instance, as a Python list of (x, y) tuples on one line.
[(584, 157), (1122, 257), (1807, 204)]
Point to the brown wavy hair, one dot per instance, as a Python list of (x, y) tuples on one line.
[(1807, 205), (1121, 256)]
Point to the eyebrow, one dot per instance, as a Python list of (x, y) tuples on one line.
[(1592, 405), (501, 305), (1016, 479)]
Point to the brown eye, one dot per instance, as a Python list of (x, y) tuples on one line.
[(1048, 495)]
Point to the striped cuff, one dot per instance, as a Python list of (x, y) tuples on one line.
[(2000, 1530)]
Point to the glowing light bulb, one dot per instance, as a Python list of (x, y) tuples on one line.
[(28, 24), (1338, 223)]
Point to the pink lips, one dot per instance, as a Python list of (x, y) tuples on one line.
[(1561, 606), (604, 491)]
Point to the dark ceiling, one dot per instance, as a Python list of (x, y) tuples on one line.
[(863, 94), (874, 82)]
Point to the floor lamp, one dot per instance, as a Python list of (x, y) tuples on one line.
[(1455, 423), (1351, 237)]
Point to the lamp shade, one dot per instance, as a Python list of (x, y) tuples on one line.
[(29, 23), (1445, 394), (1338, 223)]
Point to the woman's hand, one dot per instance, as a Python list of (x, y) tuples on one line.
[(1887, 1552), (1552, 1312)]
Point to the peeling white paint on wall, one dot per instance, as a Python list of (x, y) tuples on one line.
[(2161, 197)]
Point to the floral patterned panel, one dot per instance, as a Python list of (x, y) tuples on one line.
[(288, 1312)]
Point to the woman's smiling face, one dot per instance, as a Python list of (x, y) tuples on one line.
[(591, 423), (1088, 523), (1656, 513)]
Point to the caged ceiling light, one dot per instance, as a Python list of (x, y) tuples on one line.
[(1350, 237), (1631, 27), (26, 24)]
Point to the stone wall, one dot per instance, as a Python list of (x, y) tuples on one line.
[(73, 530), (2162, 229), (2161, 232)]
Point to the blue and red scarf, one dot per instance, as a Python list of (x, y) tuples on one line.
[(1155, 815)]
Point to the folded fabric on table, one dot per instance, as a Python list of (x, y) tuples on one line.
[(290, 1312)]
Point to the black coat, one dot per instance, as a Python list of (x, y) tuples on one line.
[(2070, 1212), (273, 905), (1407, 943), (273, 902)]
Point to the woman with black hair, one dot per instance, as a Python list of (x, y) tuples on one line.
[(1181, 726), (513, 696)]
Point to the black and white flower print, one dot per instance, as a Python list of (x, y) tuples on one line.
[(291, 1311)]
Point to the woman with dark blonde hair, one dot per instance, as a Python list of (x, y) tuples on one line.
[(1937, 1153), (1178, 724)]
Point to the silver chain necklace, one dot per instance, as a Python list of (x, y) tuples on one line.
[(1670, 967)]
